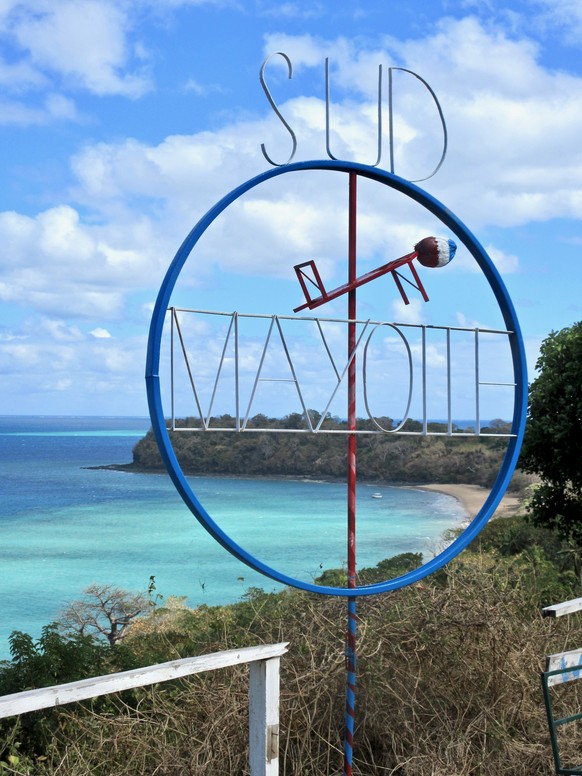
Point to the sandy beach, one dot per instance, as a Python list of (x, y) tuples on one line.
[(472, 498)]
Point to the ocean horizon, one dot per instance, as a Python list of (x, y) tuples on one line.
[(64, 526)]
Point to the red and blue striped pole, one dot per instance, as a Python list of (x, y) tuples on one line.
[(351, 629)]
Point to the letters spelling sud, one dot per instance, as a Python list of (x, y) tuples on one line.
[(429, 92)]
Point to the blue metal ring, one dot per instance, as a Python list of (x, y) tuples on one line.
[(517, 352)]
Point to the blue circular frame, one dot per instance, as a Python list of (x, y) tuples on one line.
[(517, 352)]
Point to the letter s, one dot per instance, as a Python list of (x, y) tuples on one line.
[(276, 109)]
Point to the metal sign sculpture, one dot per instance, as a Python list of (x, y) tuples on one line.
[(429, 252)]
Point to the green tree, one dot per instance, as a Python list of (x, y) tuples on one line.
[(50, 660), (552, 446)]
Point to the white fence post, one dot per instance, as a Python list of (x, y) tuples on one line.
[(264, 717)]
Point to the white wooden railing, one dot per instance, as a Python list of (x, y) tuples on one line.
[(263, 694), (566, 607)]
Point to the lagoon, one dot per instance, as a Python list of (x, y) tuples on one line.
[(64, 526)]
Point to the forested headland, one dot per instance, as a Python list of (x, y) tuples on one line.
[(383, 457)]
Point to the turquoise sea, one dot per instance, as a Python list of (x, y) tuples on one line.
[(64, 526)]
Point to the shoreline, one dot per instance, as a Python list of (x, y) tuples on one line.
[(472, 498)]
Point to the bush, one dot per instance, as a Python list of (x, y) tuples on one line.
[(448, 679)]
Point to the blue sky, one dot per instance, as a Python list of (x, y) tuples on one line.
[(122, 122)]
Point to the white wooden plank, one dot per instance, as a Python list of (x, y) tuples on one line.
[(46, 697), (564, 660), (559, 610), (264, 718)]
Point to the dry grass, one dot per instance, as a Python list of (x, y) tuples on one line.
[(448, 685)]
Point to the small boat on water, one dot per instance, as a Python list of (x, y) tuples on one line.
[(376, 495)]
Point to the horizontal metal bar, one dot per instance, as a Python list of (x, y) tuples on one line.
[(339, 320), (566, 720), (511, 385), (246, 430)]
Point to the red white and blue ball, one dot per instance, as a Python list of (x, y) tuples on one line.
[(435, 251)]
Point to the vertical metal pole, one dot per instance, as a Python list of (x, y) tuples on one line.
[(172, 314), (390, 120), (424, 417), (477, 386), (351, 629), (236, 373), (449, 401)]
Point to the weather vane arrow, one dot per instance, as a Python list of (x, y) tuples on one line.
[(430, 252)]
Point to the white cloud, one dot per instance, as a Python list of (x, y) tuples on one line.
[(293, 10), (61, 266), (464, 322), (408, 313), (58, 331), (16, 76), (93, 373), (54, 46), (58, 45), (81, 40), (19, 355), (90, 45), (202, 90), (53, 107), (64, 384), (434, 356), (100, 333), (302, 50), (562, 15), (13, 113), (60, 107), (506, 263)]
